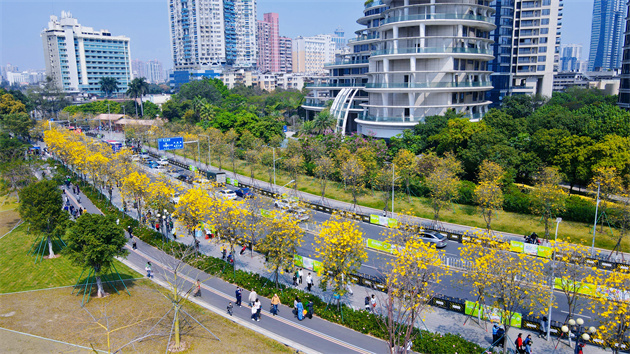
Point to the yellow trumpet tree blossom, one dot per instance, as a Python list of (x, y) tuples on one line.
[(488, 194), (134, 187), (341, 248), (160, 195), (411, 277), (511, 281), (194, 207), (283, 236), (613, 307), (230, 220), (548, 198)]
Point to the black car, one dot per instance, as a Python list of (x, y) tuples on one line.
[(185, 178), (244, 193)]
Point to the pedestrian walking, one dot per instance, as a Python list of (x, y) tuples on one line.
[(295, 278), (501, 337), (309, 282), (300, 311), (243, 249), (129, 230), (79, 199), (578, 347), (134, 245), (295, 302), (544, 322), (239, 293), (366, 302), (78, 191), (230, 308), (300, 276), (149, 270), (252, 297), (254, 313), (309, 313), (258, 305), (275, 301), (519, 343), (527, 344), (223, 251), (373, 303), (197, 289), (495, 329)]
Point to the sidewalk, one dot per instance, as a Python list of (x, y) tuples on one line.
[(314, 335)]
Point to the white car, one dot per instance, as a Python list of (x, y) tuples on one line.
[(226, 194), (284, 203), (176, 197)]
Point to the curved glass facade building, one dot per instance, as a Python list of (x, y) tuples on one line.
[(414, 59)]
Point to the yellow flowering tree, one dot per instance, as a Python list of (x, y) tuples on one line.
[(488, 194), (510, 281), (405, 162), (230, 219), (478, 278), (613, 306), (283, 236), (548, 198), (160, 195), (134, 187), (340, 247), (443, 183), (411, 277), (194, 207), (610, 184)]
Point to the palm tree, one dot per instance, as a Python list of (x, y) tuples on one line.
[(324, 121), (137, 88), (108, 85)]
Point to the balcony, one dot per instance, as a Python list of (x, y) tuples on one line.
[(420, 85), (438, 17), (430, 50), (372, 3), (336, 84), (347, 62)]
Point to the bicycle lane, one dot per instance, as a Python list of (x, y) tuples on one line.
[(310, 335)]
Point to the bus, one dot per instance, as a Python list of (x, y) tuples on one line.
[(115, 145)]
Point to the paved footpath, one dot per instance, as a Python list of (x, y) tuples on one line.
[(310, 336)]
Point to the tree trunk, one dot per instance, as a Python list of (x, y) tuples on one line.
[(99, 287), (135, 101), (50, 247)]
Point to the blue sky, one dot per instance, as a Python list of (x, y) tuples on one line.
[(146, 23)]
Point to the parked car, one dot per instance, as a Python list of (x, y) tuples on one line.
[(226, 194), (144, 156), (434, 237), (176, 197), (135, 158), (244, 193)]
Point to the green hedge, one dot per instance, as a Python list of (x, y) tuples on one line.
[(360, 321)]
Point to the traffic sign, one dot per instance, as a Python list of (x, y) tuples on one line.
[(170, 143)]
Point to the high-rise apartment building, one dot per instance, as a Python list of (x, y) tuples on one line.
[(607, 35), (527, 47), (208, 35), (138, 68), (77, 57), (571, 57), (624, 86), (413, 59), (269, 43), (155, 72), (311, 53), (285, 51)]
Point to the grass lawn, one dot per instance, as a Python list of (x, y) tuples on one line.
[(19, 272), (57, 314)]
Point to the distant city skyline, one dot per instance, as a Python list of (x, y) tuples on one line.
[(146, 23)]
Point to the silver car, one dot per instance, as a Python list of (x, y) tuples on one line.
[(434, 237)]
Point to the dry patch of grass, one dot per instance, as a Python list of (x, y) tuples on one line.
[(58, 315)]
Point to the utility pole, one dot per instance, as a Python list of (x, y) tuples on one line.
[(595, 224)]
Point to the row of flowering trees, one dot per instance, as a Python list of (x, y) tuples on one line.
[(499, 279)]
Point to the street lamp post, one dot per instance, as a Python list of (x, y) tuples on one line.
[(208, 136), (393, 180), (553, 280), (580, 332)]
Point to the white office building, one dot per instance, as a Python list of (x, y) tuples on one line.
[(77, 57)]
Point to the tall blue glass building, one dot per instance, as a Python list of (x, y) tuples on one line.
[(606, 35)]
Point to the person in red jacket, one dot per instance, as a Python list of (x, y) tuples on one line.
[(519, 343)]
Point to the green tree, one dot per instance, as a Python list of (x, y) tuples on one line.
[(95, 241), (48, 99), (573, 159), (108, 85), (137, 88), (19, 124), (488, 194), (40, 206)]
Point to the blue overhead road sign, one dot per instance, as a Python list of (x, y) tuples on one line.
[(170, 143)]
